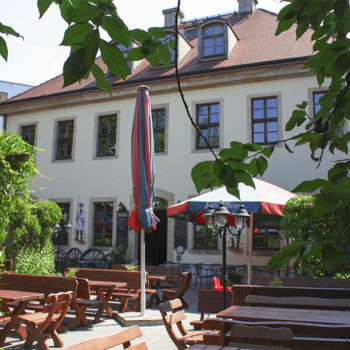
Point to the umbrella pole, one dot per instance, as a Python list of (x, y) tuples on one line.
[(250, 251), (143, 275)]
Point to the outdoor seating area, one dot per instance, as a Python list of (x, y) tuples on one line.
[(49, 310)]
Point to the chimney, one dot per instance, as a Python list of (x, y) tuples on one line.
[(169, 17), (247, 5), (3, 96)]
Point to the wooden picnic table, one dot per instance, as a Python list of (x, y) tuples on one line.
[(104, 291), (155, 281), (21, 297), (260, 313)]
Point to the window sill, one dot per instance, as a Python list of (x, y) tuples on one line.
[(105, 157)]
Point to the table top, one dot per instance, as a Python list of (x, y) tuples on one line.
[(260, 313), (7, 295), (158, 277), (107, 284)]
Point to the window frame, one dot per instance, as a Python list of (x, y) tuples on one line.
[(250, 123), (202, 37), (108, 135), (166, 127), (93, 204), (266, 236), (28, 125), (208, 126), (55, 140), (207, 234)]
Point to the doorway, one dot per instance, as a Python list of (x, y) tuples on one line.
[(156, 241)]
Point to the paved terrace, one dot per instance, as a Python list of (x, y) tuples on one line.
[(156, 337)]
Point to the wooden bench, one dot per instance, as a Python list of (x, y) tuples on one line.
[(298, 302), (132, 278), (121, 338), (305, 335), (240, 292), (172, 273), (210, 302)]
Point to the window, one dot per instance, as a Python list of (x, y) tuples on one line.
[(208, 120), (204, 238), (213, 40), (316, 108), (266, 238), (65, 208), (264, 120), (103, 223), (158, 119), (64, 140), (28, 134), (107, 135)]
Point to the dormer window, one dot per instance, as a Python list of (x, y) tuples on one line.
[(213, 40), (216, 39)]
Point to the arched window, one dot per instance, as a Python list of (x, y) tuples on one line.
[(213, 40)]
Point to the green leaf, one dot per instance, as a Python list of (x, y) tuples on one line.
[(331, 256), (341, 168), (43, 5), (66, 10), (164, 55), (341, 65), (284, 25), (171, 44), (261, 165), (84, 13), (254, 167), (202, 168), (341, 7), (8, 30), (135, 54), (243, 177), (157, 32), (324, 204), (73, 70), (101, 81), (220, 169), (140, 35), (267, 152), (114, 59), (233, 190), (297, 118), (91, 46), (117, 30), (76, 34), (310, 186), (285, 255), (252, 147), (3, 49), (153, 59), (311, 250)]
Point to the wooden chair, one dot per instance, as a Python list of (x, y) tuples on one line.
[(43, 324), (263, 337), (184, 285), (172, 314), (121, 338)]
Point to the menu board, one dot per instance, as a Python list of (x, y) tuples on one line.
[(180, 233), (122, 226)]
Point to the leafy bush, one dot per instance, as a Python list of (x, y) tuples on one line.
[(325, 242), (119, 252), (131, 267), (70, 272), (36, 262), (276, 282)]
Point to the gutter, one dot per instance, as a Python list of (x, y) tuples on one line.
[(167, 77)]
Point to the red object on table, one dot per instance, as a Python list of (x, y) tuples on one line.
[(218, 286)]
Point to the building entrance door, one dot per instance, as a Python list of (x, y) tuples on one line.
[(156, 241)]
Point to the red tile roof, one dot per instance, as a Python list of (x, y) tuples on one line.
[(257, 44)]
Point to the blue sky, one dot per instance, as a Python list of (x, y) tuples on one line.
[(39, 57)]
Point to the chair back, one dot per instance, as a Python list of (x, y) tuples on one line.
[(57, 304), (121, 338), (272, 338), (172, 313)]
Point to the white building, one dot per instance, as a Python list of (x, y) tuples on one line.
[(241, 83)]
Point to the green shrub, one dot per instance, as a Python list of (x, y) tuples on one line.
[(131, 267), (276, 282), (36, 262), (70, 272)]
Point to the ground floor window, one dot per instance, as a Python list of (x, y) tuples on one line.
[(204, 238), (266, 237), (65, 208), (103, 223)]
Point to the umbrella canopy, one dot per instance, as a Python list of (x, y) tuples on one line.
[(142, 165), (265, 198), (142, 217)]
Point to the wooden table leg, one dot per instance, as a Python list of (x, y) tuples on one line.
[(80, 317), (105, 298), (14, 324)]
